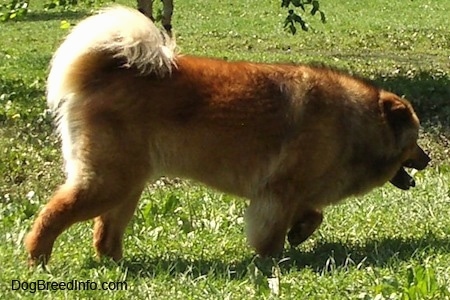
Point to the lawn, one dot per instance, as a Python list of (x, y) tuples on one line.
[(187, 241)]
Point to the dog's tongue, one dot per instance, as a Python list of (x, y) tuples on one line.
[(402, 180)]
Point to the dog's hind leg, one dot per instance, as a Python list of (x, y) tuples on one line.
[(69, 204), (112, 168), (75, 203), (110, 227)]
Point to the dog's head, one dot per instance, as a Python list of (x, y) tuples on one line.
[(405, 127)]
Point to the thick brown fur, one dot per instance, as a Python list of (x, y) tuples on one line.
[(291, 139)]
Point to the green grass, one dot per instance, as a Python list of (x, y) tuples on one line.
[(186, 241)]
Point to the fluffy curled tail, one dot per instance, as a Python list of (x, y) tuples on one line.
[(115, 34), (112, 40)]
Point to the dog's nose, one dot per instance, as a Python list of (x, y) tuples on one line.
[(422, 159), (419, 161)]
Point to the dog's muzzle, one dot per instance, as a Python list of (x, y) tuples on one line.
[(419, 161)]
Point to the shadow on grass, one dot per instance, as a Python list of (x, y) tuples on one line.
[(55, 15), (378, 253), (323, 258)]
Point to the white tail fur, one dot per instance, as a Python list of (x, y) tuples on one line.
[(122, 32)]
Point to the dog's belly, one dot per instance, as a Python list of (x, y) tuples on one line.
[(228, 161)]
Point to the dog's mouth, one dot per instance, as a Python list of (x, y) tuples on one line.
[(403, 180)]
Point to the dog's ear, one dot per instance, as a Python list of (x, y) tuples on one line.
[(400, 116), (395, 110)]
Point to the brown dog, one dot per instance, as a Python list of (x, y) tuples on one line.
[(292, 139)]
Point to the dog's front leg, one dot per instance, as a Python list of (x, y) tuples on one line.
[(306, 221), (267, 221)]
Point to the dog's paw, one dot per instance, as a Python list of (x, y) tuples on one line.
[(297, 234)]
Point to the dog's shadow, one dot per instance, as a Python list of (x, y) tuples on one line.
[(377, 253), (323, 258)]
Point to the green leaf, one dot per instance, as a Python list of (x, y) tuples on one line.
[(315, 7), (293, 29), (316, 4), (298, 3), (64, 24), (323, 19), (171, 203), (285, 3)]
